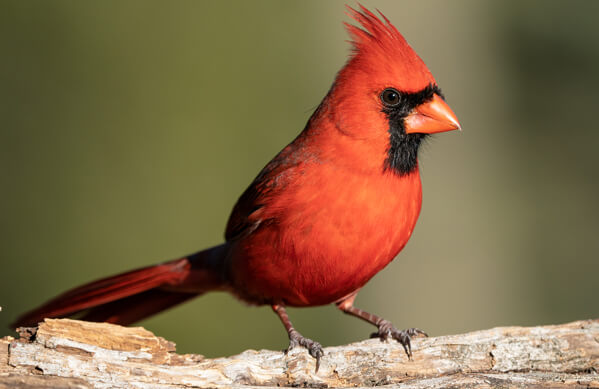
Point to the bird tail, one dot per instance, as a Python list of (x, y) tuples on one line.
[(129, 297)]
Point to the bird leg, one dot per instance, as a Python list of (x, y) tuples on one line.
[(297, 339), (385, 328)]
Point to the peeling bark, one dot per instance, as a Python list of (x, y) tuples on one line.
[(63, 353)]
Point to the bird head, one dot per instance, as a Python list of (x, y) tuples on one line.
[(385, 93)]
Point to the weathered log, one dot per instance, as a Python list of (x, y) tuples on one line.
[(63, 353)]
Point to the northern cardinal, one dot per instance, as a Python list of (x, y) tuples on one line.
[(331, 210)]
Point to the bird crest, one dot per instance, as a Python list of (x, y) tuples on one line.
[(379, 45)]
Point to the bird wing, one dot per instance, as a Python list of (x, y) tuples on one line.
[(248, 213)]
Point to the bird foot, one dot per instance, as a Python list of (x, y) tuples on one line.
[(387, 330), (314, 348)]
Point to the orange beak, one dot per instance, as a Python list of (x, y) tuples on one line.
[(431, 117)]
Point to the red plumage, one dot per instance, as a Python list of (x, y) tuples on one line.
[(331, 210)]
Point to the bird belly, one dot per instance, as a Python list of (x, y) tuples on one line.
[(331, 245)]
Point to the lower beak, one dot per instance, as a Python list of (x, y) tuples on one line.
[(431, 117)]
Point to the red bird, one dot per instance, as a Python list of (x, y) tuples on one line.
[(331, 210)]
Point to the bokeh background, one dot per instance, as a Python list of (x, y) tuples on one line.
[(129, 129)]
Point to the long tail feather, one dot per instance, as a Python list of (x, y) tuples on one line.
[(134, 308), (134, 295)]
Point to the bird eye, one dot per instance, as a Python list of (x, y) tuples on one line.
[(390, 97)]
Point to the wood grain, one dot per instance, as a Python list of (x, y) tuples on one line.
[(76, 354)]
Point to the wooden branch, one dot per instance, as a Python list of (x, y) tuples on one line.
[(75, 354)]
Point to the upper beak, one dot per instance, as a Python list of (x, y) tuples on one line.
[(431, 117)]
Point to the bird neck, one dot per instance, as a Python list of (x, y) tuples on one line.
[(402, 156)]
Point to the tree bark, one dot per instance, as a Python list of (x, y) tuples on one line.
[(63, 353)]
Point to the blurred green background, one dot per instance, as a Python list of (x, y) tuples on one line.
[(129, 129)]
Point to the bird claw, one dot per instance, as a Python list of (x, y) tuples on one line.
[(314, 348), (387, 330)]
